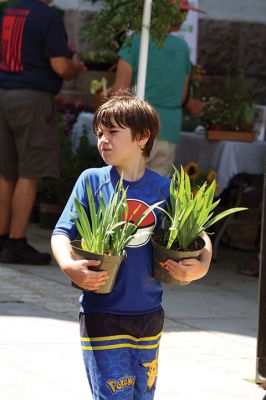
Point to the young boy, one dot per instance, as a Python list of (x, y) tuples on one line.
[(120, 331)]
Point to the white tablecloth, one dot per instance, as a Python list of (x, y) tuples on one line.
[(227, 158)]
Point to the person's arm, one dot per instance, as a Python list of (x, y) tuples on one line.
[(191, 269), (66, 68), (123, 76), (185, 95), (195, 106), (78, 271)]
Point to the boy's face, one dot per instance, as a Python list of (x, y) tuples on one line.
[(117, 147)]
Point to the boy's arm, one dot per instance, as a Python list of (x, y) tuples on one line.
[(77, 271), (191, 269)]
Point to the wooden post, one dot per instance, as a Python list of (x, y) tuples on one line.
[(261, 338)]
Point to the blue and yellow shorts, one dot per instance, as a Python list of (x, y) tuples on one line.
[(120, 354)]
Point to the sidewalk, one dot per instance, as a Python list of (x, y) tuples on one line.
[(208, 350)]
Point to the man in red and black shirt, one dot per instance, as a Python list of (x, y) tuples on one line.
[(34, 61)]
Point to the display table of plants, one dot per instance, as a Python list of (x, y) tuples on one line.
[(230, 117)]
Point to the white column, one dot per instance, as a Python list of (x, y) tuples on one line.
[(144, 48)]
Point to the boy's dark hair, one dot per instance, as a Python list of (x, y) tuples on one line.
[(127, 110)]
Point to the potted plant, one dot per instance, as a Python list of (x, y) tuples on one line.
[(231, 116), (185, 217), (109, 28), (106, 231)]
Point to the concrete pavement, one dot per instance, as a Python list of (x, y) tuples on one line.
[(208, 350)]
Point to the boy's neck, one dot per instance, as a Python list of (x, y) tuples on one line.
[(132, 174)]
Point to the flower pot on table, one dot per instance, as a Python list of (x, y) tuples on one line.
[(161, 254), (108, 263), (230, 135)]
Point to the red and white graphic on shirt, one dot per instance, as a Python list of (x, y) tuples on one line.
[(11, 40), (146, 226)]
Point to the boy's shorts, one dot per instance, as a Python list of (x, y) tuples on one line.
[(120, 354), (29, 136)]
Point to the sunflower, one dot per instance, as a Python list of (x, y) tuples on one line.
[(211, 176), (193, 170)]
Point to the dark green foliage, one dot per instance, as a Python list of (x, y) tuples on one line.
[(109, 27)]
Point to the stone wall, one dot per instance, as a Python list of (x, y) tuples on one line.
[(224, 47), (226, 10), (228, 47)]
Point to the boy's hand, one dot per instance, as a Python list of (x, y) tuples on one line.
[(186, 270), (80, 273)]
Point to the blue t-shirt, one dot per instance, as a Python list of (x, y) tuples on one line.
[(31, 33), (135, 290)]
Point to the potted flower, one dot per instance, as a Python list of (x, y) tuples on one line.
[(231, 116), (185, 217), (106, 231), (110, 25)]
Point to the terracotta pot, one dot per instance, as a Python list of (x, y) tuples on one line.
[(217, 127), (236, 136), (161, 254), (109, 263)]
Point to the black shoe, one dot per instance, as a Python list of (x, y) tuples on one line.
[(18, 251), (3, 239)]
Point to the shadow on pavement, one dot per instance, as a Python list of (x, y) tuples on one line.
[(223, 301)]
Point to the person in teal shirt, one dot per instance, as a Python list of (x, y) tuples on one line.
[(167, 80)]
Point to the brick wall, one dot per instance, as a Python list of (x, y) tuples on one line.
[(231, 46)]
